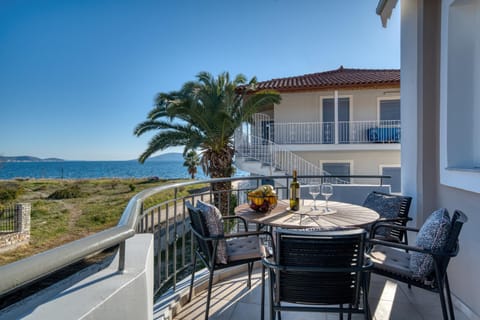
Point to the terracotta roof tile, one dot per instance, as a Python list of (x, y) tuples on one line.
[(339, 78)]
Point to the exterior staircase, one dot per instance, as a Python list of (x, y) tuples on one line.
[(263, 157)]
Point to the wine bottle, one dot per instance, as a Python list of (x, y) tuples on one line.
[(295, 193)]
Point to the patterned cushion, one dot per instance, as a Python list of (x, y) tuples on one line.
[(387, 206), (432, 236), (213, 218)]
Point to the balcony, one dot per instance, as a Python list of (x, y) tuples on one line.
[(342, 132), (147, 276), (233, 301)]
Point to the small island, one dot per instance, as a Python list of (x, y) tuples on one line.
[(28, 159)]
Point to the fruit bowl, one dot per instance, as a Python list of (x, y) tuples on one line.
[(263, 203)]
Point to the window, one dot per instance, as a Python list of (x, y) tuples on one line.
[(328, 118), (459, 95), (337, 169), (395, 181), (389, 110)]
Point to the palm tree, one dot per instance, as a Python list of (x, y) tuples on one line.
[(192, 161), (203, 115)]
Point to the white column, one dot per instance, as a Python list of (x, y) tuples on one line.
[(335, 103)]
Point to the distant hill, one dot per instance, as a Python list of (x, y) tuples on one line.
[(26, 159), (172, 156)]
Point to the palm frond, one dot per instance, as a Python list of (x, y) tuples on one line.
[(163, 140), (145, 127), (157, 125)]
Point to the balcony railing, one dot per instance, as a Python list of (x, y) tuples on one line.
[(346, 132), (277, 157), (167, 220)]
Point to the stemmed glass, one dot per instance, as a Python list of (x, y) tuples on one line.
[(327, 192), (314, 190)]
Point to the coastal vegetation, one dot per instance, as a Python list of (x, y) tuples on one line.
[(66, 210), (192, 161), (10, 191)]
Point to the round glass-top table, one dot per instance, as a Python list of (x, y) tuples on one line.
[(341, 215)]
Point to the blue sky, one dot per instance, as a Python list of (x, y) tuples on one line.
[(76, 76)]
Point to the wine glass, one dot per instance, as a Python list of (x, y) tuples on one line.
[(314, 190), (327, 191)]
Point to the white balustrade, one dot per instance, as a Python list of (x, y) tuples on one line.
[(349, 132)]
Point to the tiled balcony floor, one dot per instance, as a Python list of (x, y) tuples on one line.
[(388, 300)]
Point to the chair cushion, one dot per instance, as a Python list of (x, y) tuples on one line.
[(244, 248), (387, 206), (432, 236), (213, 218), (391, 260)]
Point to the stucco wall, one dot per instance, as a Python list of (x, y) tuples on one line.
[(363, 162), (463, 274), (420, 74), (306, 106)]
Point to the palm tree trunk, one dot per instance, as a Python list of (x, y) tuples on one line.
[(221, 196), (222, 167)]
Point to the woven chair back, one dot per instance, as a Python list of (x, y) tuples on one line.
[(390, 206), (199, 225), (333, 262), (452, 245)]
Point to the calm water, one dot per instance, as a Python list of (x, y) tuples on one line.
[(97, 169)]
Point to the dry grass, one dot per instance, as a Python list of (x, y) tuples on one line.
[(55, 222)]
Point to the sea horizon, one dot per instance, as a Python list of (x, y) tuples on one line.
[(168, 156), (96, 169)]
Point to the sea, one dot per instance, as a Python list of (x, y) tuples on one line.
[(98, 169)]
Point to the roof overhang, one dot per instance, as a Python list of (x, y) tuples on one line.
[(340, 87), (384, 10)]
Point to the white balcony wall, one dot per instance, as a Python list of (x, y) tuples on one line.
[(106, 294)]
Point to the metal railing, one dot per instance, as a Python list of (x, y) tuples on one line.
[(278, 157), (8, 219), (347, 132), (167, 220)]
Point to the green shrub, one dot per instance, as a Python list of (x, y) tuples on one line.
[(7, 195), (66, 193), (132, 187), (228, 227), (10, 192)]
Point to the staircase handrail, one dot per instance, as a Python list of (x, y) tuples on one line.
[(278, 157)]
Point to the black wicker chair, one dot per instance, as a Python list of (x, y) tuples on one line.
[(393, 260), (242, 248), (392, 209), (320, 271)]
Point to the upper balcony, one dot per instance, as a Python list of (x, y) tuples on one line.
[(342, 132), (331, 135)]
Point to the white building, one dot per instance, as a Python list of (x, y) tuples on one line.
[(343, 122)]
